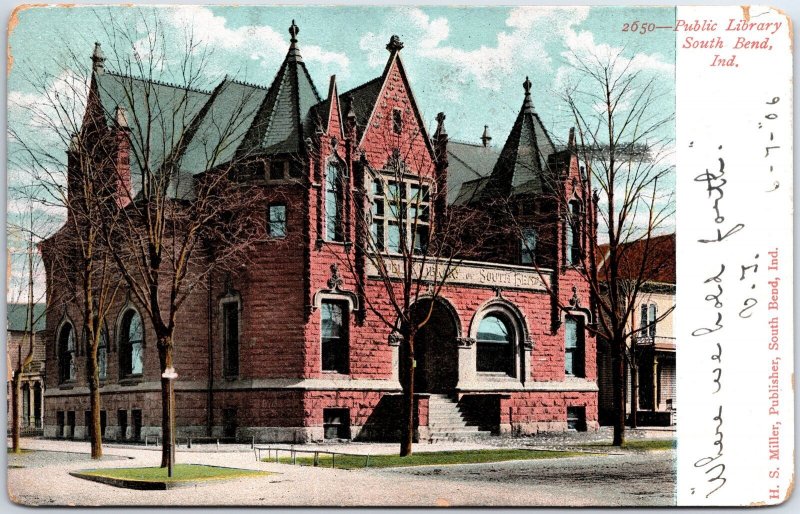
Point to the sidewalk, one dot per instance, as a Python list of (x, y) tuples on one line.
[(627, 478), (565, 440)]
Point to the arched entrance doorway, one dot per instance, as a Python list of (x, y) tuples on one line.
[(435, 349)]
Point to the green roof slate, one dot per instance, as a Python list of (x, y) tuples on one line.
[(17, 317)]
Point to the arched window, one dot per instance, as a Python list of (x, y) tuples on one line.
[(102, 352), (573, 250), (333, 203), (131, 344), (574, 346), (495, 341), (66, 353)]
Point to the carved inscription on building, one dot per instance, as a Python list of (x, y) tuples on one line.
[(467, 273)]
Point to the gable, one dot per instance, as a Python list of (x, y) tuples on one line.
[(379, 140)]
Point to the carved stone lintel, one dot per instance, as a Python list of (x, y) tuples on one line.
[(395, 338), (465, 342)]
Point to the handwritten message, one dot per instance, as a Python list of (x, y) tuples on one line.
[(734, 235)]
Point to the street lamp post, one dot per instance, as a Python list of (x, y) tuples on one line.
[(171, 376)]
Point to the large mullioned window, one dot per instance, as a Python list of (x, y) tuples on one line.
[(400, 215)]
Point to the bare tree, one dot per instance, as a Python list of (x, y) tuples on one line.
[(153, 183), (176, 223), (624, 198), (25, 293), (80, 264), (407, 246)]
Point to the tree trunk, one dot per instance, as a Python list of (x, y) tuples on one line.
[(634, 393), (95, 434), (407, 431), (167, 404), (619, 395), (15, 410)]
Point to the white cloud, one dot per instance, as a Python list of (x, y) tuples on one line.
[(260, 43), (531, 28)]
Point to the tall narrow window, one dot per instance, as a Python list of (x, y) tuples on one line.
[(495, 345), (131, 344), (66, 353), (573, 249), (574, 344), (276, 222), (333, 203), (397, 121), (647, 323), (335, 351), (378, 215), (528, 246), (102, 353), (230, 338)]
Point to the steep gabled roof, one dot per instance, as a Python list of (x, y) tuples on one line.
[(468, 165), (320, 114), (17, 317), (164, 111), (361, 101), (522, 165), (659, 266), (278, 124)]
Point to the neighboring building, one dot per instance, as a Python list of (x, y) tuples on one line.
[(32, 385), (654, 344), (286, 350)]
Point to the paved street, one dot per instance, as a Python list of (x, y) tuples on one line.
[(624, 478)]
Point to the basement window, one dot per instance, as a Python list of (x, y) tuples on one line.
[(336, 423), (576, 419)]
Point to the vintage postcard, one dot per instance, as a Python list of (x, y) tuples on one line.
[(399, 256)]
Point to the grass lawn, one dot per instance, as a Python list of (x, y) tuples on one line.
[(426, 458), (642, 444), (181, 472)]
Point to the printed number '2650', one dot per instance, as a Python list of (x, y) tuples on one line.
[(640, 27)]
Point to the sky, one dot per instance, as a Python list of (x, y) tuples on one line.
[(467, 62)]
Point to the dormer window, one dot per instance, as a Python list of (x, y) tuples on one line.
[(277, 170)]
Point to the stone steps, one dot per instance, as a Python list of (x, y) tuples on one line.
[(447, 422)]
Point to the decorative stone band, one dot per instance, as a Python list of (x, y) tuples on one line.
[(465, 342), (504, 276), (343, 383), (570, 384)]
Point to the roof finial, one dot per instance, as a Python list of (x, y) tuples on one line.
[(486, 138), (394, 44), (294, 52), (98, 59), (440, 130), (527, 105)]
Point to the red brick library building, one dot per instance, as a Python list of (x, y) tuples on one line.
[(287, 350)]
